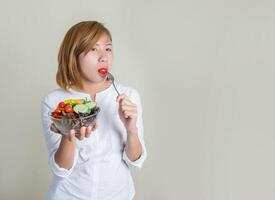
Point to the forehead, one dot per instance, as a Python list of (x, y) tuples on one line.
[(104, 39)]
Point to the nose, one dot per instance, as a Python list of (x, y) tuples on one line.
[(102, 57)]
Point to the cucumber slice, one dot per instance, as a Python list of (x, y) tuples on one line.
[(81, 108), (90, 104)]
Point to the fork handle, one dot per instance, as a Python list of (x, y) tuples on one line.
[(115, 88)]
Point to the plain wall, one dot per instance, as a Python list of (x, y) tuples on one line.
[(205, 72)]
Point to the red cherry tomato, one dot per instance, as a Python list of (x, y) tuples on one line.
[(68, 109), (58, 111), (103, 71), (61, 105), (56, 115)]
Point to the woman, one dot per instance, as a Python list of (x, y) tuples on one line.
[(94, 163)]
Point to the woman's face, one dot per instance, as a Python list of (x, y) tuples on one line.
[(101, 55)]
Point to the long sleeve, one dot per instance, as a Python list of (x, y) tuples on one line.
[(53, 141), (134, 96), (99, 169)]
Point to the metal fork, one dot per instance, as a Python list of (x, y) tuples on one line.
[(111, 77)]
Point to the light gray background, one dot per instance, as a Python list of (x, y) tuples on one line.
[(205, 72)]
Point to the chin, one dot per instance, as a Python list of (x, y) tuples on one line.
[(101, 79)]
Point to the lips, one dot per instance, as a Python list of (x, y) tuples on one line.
[(103, 71)]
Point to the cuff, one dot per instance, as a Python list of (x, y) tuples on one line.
[(59, 171), (137, 163)]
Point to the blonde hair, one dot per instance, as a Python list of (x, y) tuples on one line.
[(80, 38)]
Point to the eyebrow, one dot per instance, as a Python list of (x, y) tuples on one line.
[(107, 44)]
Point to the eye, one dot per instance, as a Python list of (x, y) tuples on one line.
[(93, 49), (108, 49)]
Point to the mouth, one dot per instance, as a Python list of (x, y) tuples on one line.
[(103, 71)]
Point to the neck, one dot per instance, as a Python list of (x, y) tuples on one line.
[(92, 88)]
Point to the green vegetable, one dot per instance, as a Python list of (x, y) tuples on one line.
[(91, 105), (81, 108)]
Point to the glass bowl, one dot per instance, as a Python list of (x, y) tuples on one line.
[(65, 124)]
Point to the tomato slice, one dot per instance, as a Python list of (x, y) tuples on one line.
[(103, 71)]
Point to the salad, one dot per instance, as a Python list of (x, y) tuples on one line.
[(73, 114), (74, 108)]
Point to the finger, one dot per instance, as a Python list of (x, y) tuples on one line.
[(122, 96), (126, 102), (82, 132), (78, 136), (129, 114), (129, 108), (88, 131), (71, 135), (88, 134), (53, 128), (95, 126)]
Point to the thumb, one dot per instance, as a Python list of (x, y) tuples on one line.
[(71, 135)]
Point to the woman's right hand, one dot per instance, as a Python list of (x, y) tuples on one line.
[(85, 132)]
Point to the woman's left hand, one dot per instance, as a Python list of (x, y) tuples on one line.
[(127, 112)]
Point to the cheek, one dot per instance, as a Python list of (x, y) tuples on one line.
[(88, 63), (88, 71)]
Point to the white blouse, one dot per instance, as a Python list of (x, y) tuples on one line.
[(101, 166)]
